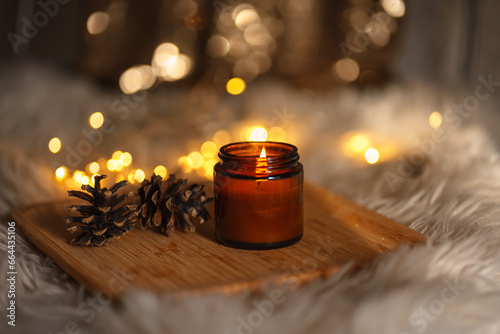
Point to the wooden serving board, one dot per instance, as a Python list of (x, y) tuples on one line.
[(336, 232)]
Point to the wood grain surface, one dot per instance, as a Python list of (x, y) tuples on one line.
[(336, 232)]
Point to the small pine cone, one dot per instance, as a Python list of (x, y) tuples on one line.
[(169, 204), (103, 220)]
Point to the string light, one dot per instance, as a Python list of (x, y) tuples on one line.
[(55, 145), (96, 120)]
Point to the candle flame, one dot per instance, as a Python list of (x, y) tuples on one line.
[(263, 153), (262, 162)]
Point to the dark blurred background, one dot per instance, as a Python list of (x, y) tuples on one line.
[(311, 43), (210, 50)]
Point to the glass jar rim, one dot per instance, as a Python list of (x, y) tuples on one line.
[(243, 159), (292, 151)]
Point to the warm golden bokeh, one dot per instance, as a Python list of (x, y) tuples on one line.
[(55, 145), (96, 120), (435, 120), (236, 86)]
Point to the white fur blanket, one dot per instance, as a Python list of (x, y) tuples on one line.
[(452, 194)]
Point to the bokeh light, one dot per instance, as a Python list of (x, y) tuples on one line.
[(179, 69), (378, 33), (139, 175), (111, 165), (221, 137), (164, 52), (148, 77), (218, 46), (257, 34), (78, 175), (276, 134), (97, 23), (346, 69), (194, 159), (235, 86), (161, 171), (357, 143), (130, 81), (435, 120), (55, 145), (126, 159), (61, 173), (395, 8), (93, 167), (170, 65), (371, 155), (85, 180), (118, 165), (183, 163), (209, 165), (92, 179), (96, 120), (131, 177), (246, 17), (116, 155), (209, 149), (257, 134)]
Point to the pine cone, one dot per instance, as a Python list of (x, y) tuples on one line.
[(102, 221), (168, 204)]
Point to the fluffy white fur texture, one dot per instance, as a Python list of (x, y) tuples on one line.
[(449, 285)]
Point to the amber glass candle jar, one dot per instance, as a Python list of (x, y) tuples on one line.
[(258, 195)]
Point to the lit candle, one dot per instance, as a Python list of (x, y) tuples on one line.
[(258, 195)]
